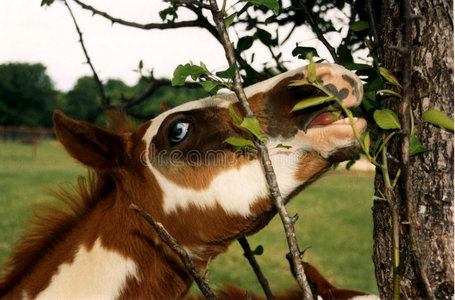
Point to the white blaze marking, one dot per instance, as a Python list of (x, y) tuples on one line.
[(234, 189), (95, 274)]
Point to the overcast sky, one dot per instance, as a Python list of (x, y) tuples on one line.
[(31, 33)]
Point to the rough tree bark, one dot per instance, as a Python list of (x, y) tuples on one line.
[(431, 172)]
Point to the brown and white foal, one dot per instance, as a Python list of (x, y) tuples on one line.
[(178, 169)]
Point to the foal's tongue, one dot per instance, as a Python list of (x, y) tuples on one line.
[(322, 119)]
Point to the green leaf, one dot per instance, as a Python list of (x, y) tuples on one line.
[(234, 115), (47, 2), (228, 20), (258, 251), (335, 114), (293, 83), (415, 146), (302, 52), (141, 64), (271, 4), (283, 146), (265, 37), (312, 102), (252, 126), (438, 118), (389, 77), (366, 140), (384, 143), (378, 198), (270, 19), (210, 87), (244, 8), (359, 26), (169, 14), (357, 67), (311, 68), (203, 66), (376, 146), (239, 142), (245, 43), (228, 73), (386, 119), (389, 93), (183, 71)]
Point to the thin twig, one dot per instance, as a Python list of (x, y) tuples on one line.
[(318, 31), (289, 34), (182, 254), (406, 129), (154, 85), (105, 100), (395, 212), (343, 48), (257, 269), (148, 26), (195, 3), (377, 43), (265, 159)]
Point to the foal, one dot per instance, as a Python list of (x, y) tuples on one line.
[(177, 168)]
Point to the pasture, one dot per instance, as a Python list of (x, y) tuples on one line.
[(335, 221)]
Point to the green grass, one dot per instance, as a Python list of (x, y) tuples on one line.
[(335, 221)]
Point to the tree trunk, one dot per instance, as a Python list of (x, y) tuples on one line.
[(431, 172)]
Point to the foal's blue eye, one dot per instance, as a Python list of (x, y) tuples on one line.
[(179, 131)]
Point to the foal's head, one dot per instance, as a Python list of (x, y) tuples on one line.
[(178, 167)]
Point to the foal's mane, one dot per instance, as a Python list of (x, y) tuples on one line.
[(51, 224)]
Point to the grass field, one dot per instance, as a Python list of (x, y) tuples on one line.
[(335, 221)]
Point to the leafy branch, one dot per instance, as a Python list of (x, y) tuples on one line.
[(385, 119), (219, 20)]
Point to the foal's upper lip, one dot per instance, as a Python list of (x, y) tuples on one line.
[(312, 114)]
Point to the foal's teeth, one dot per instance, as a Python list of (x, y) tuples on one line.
[(347, 121)]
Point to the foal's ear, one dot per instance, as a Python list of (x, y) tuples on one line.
[(89, 144)]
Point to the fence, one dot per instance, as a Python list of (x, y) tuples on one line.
[(29, 135)]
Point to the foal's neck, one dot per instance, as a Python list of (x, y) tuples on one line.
[(108, 254)]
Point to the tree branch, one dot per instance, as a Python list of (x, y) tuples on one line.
[(405, 111), (343, 48), (148, 26), (182, 254), (318, 32), (377, 43), (265, 159), (257, 269), (155, 84), (194, 3), (105, 100)]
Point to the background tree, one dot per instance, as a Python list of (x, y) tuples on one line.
[(431, 172), (27, 95), (83, 101)]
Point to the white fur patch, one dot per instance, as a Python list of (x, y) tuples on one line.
[(95, 274), (235, 189)]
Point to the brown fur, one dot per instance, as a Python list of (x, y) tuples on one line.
[(51, 225), (323, 288)]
